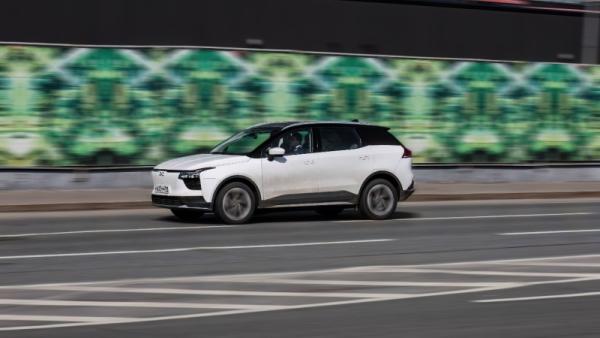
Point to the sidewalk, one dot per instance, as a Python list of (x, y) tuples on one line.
[(95, 199)]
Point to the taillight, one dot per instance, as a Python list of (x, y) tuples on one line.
[(407, 153)]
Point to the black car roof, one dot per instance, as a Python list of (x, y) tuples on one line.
[(289, 124), (273, 125)]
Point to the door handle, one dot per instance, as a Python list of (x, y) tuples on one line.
[(309, 162), (365, 157)]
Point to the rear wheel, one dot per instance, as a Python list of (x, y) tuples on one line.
[(330, 211), (235, 203), (378, 199), (187, 214)]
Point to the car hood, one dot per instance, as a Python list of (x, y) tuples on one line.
[(194, 162)]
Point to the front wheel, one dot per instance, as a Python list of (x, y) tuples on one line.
[(187, 214), (235, 203), (378, 199)]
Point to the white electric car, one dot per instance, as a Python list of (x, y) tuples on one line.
[(326, 165)]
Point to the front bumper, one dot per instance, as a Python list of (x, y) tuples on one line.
[(189, 202), (405, 194)]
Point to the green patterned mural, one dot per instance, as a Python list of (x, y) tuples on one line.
[(104, 106)]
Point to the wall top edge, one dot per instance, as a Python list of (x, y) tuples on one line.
[(275, 50), (83, 169)]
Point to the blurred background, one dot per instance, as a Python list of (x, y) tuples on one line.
[(499, 101), (457, 81)]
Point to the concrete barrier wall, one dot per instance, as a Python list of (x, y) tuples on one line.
[(140, 178), (498, 175)]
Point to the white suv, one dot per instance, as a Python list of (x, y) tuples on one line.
[(326, 165)]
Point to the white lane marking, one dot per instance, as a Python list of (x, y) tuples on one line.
[(95, 231), (233, 247), (503, 201), (558, 264), (233, 312), (485, 272), (84, 319), (188, 278), (549, 232), (365, 269), (473, 217), (160, 305), (518, 299), (214, 292), (362, 283), (504, 261), (350, 301)]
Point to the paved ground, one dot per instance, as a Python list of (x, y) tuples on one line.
[(439, 269)]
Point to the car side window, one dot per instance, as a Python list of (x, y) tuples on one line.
[(339, 138), (295, 142), (373, 136)]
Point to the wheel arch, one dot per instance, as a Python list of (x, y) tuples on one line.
[(238, 178), (386, 175)]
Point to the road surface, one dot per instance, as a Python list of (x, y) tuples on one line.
[(453, 269)]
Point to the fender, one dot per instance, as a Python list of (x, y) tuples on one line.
[(242, 178), (387, 174)]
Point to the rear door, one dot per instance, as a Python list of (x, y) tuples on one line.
[(342, 162)]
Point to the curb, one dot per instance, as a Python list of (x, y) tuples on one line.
[(75, 206), (504, 196), (414, 198)]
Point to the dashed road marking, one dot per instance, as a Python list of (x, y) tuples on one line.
[(508, 261), (198, 248), (472, 217), (558, 264), (159, 305), (97, 231), (549, 232), (520, 299), (84, 319)]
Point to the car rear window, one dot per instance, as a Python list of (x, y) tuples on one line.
[(373, 136)]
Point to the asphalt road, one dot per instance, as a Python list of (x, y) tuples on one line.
[(456, 269)]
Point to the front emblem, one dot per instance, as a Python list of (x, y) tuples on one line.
[(162, 173)]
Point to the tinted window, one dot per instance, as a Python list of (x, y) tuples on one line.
[(242, 143), (338, 138), (377, 136), (295, 142)]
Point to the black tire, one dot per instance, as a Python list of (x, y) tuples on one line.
[(330, 211), (378, 199), (235, 203), (187, 214)]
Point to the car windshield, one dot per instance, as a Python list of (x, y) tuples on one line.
[(243, 142)]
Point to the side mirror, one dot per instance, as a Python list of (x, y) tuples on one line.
[(276, 152)]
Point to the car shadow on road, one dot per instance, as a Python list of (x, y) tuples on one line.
[(293, 216)]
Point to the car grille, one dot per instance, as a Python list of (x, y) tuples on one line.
[(177, 201), (167, 200)]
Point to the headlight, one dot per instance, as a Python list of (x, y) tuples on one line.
[(191, 179), (190, 175)]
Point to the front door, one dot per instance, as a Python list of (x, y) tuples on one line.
[(292, 178)]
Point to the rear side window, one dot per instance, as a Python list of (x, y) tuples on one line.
[(373, 136), (339, 138)]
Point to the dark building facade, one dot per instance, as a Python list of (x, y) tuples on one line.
[(372, 27)]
